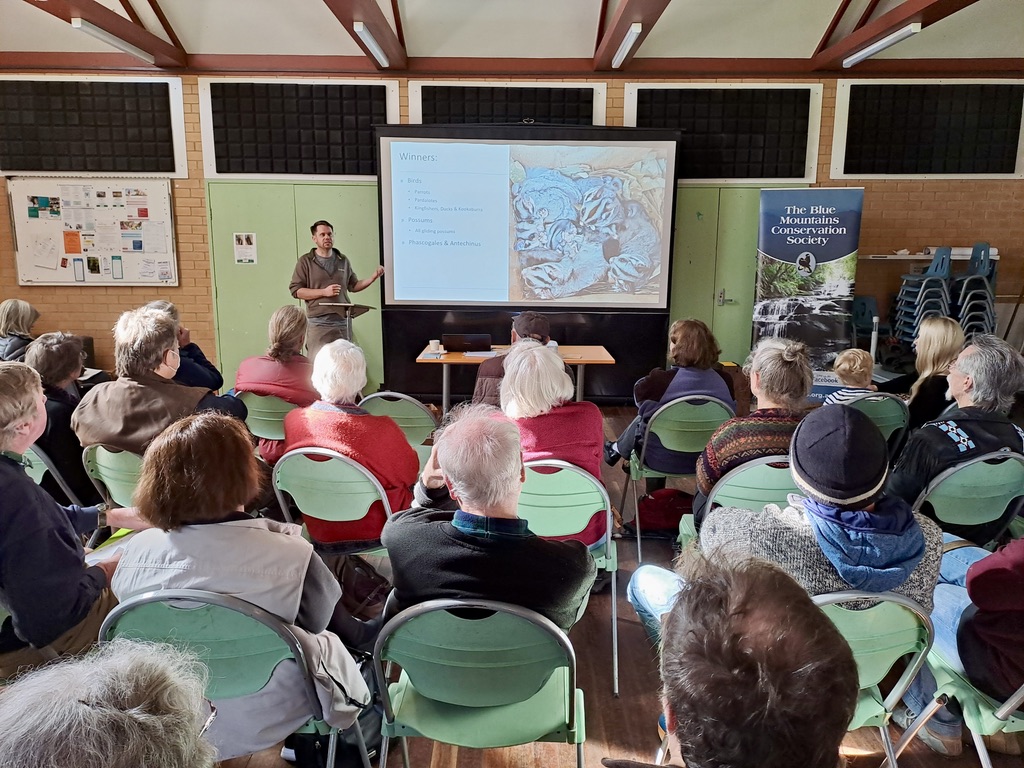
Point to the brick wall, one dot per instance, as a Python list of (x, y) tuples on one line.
[(897, 214)]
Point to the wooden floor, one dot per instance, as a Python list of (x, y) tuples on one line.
[(625, 727)]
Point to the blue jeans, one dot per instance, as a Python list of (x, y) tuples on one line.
[(652, 592), (951, 601)]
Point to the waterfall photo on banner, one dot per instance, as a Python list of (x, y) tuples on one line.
[(806, 265)]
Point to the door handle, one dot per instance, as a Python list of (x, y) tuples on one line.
[(722, 301)]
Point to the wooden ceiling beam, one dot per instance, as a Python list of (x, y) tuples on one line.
[(927, 12), (168, 29), (628, 12), (348, 12), (837, 17), (866, 16), (167, 55)]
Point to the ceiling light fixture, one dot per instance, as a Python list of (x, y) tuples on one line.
[(880, 45), (371, 42), (628, 41), (111, 39)]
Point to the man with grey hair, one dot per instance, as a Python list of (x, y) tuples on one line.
[(483, 550), (983, 381), (53, 601), (130, 412), (125, 705)]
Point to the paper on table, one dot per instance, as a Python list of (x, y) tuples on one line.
[(105, 552), (492, 353)]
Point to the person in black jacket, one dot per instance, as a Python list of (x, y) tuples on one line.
[(194, 370), (16, 320), (983, 381), (55, 602), (57, 357), (483, 550)]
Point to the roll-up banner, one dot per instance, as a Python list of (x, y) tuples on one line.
[(806, 264)]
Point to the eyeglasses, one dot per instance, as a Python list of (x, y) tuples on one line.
[(209, 720)]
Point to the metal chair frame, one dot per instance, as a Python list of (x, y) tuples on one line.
[(254, 612), (901, 406), (48, 466)]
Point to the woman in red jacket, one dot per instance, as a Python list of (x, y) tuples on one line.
[(336, 422), (979, 622), (283, 372)]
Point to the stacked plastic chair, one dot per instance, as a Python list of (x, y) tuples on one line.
[(973, 293), (923, 295)]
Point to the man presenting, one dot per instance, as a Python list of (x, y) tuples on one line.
[(325, 275)]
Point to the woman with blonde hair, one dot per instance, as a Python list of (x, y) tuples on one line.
[(939, 340), (16, 320), (282, 372)]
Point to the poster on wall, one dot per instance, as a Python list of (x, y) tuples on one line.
[(806, 266)]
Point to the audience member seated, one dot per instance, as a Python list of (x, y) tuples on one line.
[(694, 353), (527, 325), (483, 550), (376, 442), (938, 342), (57, 357), (983, 381), (124, 705), (844, 535), (203, 540), (536, 394), (194, 370), (55, 603), (780, 379), (754, 674), (16, 320), (282, 372), (979, 621), (128, 413), (854, 369)]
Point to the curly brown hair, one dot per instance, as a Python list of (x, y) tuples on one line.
[(692, 345)]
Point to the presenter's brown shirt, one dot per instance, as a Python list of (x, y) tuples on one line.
[(309, 274)]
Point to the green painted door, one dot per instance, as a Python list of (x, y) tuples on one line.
[(696, 253), (735, 271), (352, 209), (246, 295)]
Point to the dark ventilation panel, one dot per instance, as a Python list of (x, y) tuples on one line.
[(75, 126), (498, 104), (296, 129), (950, 129), (733, 133)]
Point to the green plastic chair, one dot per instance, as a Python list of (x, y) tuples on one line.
[(683, 425), (240, 643), (338, 490), (983, 715), (880, 636), (266, 415), (890, 415), (561, 504), (416, 421), (978, 499), (757, 482), (114, 473), (478, 680), (37, 464)]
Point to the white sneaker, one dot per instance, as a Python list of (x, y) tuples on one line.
[(288, 754)]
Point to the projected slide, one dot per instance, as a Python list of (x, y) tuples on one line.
[(478, 222)]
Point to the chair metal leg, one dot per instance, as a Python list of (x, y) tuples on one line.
[(636, 515), (661, 756), (332, 746), (405, 751), (979, 744), (913, 728), (363, 756), (579, 755), (890, 753), (382, 760), (615, 638)]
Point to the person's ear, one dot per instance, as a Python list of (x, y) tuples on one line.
[(522, 472), (670, 719)]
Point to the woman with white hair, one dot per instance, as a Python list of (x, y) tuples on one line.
[(337, 423), (125, 705), (16, 320)]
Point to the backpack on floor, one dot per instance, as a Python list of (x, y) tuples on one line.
[(661, 510)]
